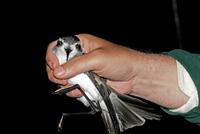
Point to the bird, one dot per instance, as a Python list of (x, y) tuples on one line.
[(118, 111)]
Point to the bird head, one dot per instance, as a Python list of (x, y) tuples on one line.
[(67, 48)]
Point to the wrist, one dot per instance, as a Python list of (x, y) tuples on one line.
[(156, 80)]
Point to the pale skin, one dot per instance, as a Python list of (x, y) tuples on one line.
[(150, 76)]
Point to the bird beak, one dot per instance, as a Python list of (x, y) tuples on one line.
[(68, 51)]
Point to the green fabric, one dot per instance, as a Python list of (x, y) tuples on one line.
[(191, 62)]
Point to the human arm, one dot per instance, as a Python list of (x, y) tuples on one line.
[(149, 76)]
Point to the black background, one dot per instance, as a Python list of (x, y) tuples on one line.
[(28, 27)]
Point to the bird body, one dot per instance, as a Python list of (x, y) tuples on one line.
[(119, 112)]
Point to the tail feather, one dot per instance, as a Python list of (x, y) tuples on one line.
[(107, 120), (132, 112), (127, 118), (121, 112), (144, 108)]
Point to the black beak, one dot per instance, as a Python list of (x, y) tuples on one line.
[(68, 51)]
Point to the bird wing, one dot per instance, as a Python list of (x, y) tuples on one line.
[(125, 111), (132, 111), (142, 107)]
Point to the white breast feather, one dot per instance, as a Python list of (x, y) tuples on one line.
[(89, 88), (86, 84)]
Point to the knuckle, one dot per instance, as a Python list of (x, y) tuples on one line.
[(51, 78)]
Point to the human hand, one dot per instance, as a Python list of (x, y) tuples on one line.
[(105, 58), (149, 76)]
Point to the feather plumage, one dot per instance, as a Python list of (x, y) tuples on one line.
[(119, 112)]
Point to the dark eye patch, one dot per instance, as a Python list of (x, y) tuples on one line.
[(78, 47), (59, 43)]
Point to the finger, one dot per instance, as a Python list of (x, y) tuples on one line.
[(75, 93), (90, 42), (80, 64), (53, 79), (51, 59)]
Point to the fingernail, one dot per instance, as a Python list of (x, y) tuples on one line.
[(59, 71)]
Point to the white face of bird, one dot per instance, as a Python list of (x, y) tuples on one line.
[(67, 48)]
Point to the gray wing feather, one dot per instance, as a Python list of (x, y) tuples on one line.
[(130, 111), (133, 112), (144, 108)]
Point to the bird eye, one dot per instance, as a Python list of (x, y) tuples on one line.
[(78, 47), (59, 43)]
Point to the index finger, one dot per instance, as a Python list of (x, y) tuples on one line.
[(51, 59), (90, 42)]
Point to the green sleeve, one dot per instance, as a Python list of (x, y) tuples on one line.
[(191, 62)]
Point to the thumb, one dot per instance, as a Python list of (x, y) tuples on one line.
[(80, 64)]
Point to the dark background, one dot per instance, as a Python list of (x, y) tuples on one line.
[(28, 27)]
